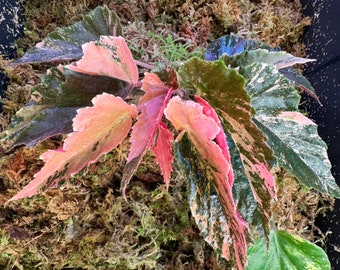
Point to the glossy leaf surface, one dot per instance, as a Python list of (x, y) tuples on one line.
[(231, 45), (236, 51), (300, 151), (62, 91), (97, 130), (188, 116), (224, 90), (293, 137), (279, 59), (286, 251), (65, 43)]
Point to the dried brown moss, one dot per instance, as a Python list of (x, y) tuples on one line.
[(87, 224)]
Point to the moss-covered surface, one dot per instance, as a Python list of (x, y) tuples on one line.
[(87, 224)]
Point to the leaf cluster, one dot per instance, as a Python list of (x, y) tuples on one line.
[(227, 121)]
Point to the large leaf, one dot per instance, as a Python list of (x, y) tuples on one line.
[(236, 51), (110, 56), (278, 59), (62, 91), (97, 130), (299, 150), (65, 43), (202, 129), (286, 252), (204, 203), (146, 131), (33, 124), (270, 92), (293, 137), (224, 89)]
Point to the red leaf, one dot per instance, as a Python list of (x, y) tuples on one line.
[(203, 126), (163, 151), (151, 105), (97, 130), (110, 56)]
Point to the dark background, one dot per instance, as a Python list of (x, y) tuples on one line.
[(323, 44), (11, 28)]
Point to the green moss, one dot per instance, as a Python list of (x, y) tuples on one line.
[(87, 224)]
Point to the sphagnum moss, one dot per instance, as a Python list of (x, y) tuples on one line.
[(87, 224)]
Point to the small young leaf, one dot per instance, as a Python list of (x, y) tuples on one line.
[(97, 130), (110, 56), (144, 131), (231, 45), (65, 43), (187, 116), (286, 252)]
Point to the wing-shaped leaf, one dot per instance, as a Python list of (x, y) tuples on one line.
[(270, 92), (224, 89), (144, 131), (299, 150), (293, 137), (238, 51), (110, 56), (62, 91), (97, 130), (188, 116), (279, 59), (65, 43), (286, 251)]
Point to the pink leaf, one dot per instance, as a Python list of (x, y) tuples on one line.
[(296, 117), (110, 56), (97, 130), (203, 126), (163, 152), (220, 137), (151, 105)]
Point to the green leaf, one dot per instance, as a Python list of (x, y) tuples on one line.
[(200, 122), (204, 203), (293, 137), (286, 252), (224, 90), (55, 101), (65, 43), (270, 92), (299, 150), (242, 193), (279, 59)]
